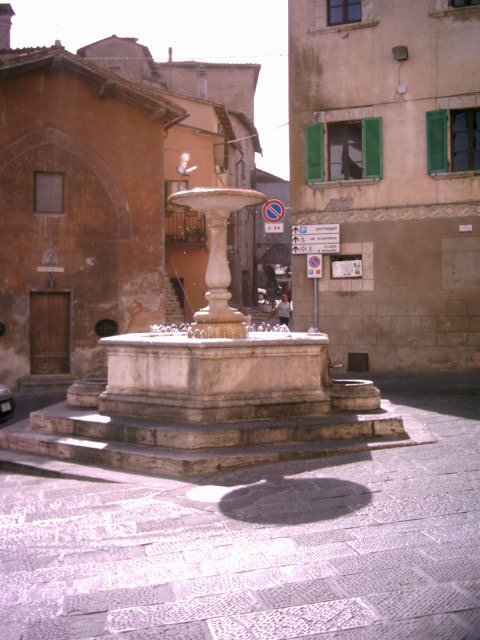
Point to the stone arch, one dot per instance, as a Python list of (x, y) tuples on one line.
[(39, 137)]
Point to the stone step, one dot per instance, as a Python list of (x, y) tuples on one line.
[(52, 382), (65, 420), (154, 460), (173, 308)]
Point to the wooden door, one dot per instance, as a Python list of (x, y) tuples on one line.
[(49, 333)]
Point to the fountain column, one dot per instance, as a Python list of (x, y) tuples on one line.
[(217, 319)]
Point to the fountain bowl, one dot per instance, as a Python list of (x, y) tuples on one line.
[(208, 199)]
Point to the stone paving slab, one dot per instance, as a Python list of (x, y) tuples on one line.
[(373, 545)]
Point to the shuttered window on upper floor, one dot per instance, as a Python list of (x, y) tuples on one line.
[(343, 11), (354, 150), (460, 128)]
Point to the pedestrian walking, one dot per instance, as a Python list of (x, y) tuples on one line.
[(284, 310)]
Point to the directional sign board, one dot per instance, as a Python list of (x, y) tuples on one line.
[(302, 229), (316, 248), (316, 238)]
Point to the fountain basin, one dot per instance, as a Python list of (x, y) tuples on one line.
[(354, 395), (216, 380)]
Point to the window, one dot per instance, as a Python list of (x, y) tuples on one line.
[(464, 140), (354, 150), (345, 151), (464, 3), (344, 11), (106, 327), (173, 186), (48, 192)]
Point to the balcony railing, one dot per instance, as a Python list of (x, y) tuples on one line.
[(186, 227)]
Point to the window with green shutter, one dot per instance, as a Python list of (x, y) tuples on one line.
[(465, 140), (314, 151), (354, 150), (437, 141), (372, 147)]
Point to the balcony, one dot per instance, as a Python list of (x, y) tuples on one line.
[(185, 228)]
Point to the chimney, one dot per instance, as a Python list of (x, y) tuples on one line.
[(170, 54), (6, 13), (202, 81)]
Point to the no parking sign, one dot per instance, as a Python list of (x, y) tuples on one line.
[(273, 212), (314, 265)]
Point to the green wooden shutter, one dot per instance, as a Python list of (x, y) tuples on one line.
[(314, 151), (372, 148), (437, 137)]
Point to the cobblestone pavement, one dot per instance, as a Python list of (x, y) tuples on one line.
[(383, 545)]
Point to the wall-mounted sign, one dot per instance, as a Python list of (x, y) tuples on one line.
[(347, 269), (314, 266), (316, 238)]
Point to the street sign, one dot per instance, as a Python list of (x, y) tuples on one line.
[(273, 227), (332, 247), (302, 229), (319, 238), (315, 238), (314, 266), (274, 211)]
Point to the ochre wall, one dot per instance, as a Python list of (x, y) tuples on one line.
[(108, 243)]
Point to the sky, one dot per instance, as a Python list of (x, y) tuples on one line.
[(250, 31)]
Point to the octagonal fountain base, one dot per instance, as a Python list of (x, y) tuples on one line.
[(216, 380)]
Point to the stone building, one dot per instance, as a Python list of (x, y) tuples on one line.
[(230, 87), (89, 150), (385, 142), (81, 219)]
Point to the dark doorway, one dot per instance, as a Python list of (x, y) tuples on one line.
[(49, 333)]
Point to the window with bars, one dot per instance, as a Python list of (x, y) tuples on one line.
[(343, 11)]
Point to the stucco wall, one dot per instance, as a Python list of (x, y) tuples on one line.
[(108, 243), (417, 305)]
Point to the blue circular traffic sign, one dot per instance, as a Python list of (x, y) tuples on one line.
[(274, 211)]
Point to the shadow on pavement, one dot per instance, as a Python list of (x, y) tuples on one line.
[(294, 501), (453, 393)]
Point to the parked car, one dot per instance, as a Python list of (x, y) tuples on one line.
[(7, 403)]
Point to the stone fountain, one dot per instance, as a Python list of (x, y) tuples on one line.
[(214, 397), (219, 371)]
